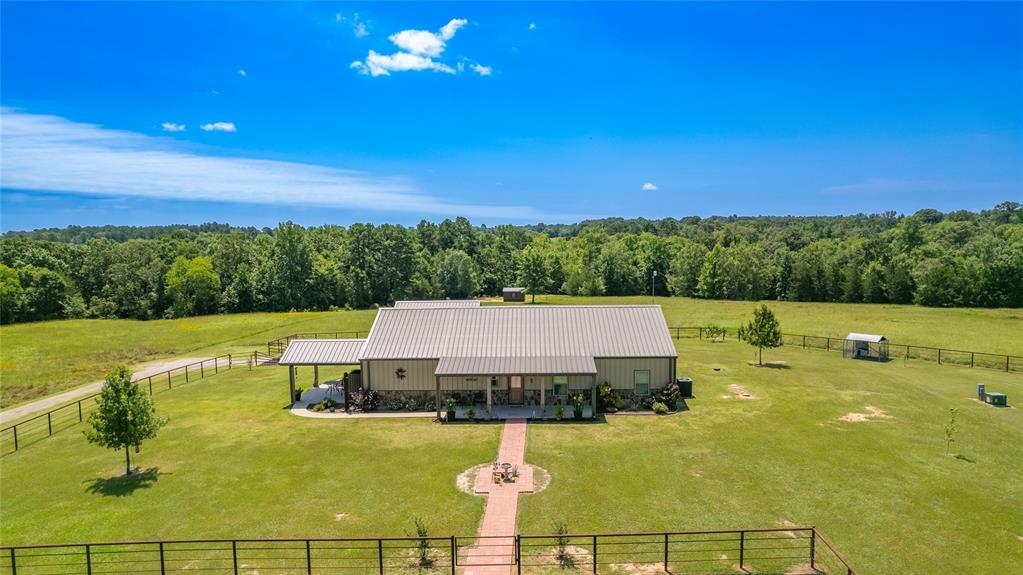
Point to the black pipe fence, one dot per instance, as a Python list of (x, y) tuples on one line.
[(942, 356), (777, 550), (38, 427)]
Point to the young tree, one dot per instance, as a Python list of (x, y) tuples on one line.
[(950, 429), (711, 281), (192, 286), (762, 331), (124, 417)]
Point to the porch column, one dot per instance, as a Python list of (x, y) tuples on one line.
[(344, 382), (593, 396), (316, 375), (490, 401), (437, 377), (543, 399), (291, 380)]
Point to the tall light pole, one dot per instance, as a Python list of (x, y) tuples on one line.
[(653, 278)]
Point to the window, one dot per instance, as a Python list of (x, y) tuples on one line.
[(641, 381), (560, 385)]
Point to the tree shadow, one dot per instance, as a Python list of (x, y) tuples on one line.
[(771, 365), (962, 457), (124, 485)]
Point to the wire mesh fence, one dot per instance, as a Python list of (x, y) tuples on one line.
[(942, 356), (791, 551)]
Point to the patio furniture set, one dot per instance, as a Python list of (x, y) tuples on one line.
[(504, 472)]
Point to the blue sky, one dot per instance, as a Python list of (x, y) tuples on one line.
[(155, 113)]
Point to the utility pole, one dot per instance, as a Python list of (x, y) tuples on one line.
[(653, 278)]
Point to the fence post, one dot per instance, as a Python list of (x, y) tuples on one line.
[(380, 554), (202, 369), (186, 374), (234, 556), (229, 361), (80, 406), (150, 386), (742, 548), (971, 358), (163, 567), (308, 558), (939, 356), (594, 555), (216, 365), (518, 555), (829, 343), (454, 546), (665, 552), (49, 422), (804, 342), (14, 563), (813, 548), (15, 430), (88, 560), (168, 379), (1006, 363)]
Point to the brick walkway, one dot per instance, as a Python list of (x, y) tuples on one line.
[(494, 552)]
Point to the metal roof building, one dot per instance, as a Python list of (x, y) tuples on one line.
[(504, 355), (865, 346)]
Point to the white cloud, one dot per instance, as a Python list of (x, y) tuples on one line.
[(418, 50), (242, 72), (649, 187), (481, 69), (50, 153), (360, 26), (219, 127), (532, 25), (172, 127)]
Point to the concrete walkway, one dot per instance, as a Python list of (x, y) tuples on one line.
[(89, 389), (494, 552)]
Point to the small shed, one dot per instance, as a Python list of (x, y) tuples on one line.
[(514, 294), (865, 346)]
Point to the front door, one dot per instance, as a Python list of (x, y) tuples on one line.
[(515, 395)]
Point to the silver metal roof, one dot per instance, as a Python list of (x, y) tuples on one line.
[(865, 337), (515, 289), (435, 303), (520, 331), (564, 365), (322, 352)]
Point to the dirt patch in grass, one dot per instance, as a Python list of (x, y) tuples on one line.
[(802, 569), (740, 392), (643, 568), (871, 414), (466, 481), (541, 479)]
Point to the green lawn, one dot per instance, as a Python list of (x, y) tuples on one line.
[(43, 358), (883, 490), (232, 463)]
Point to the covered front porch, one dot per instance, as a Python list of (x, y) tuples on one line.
[(528, 387), (331, 353)]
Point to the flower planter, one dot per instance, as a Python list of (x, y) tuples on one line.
[(450, 417)]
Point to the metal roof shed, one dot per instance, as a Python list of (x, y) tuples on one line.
[(865, 346)]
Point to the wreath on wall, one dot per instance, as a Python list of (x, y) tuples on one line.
[(400, 373)]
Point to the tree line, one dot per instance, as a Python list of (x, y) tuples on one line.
[(929, 258)]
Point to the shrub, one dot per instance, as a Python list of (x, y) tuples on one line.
[(660, 409), (606, 396), (714, 332), (669, 396), (648, 402), (364, 400), (471, 413), (559, 412), (577, 406), (412, 404), (422, 545), (619, 403), (396, 403), (561, 546)]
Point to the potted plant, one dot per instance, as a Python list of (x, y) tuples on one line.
[(577, 406), (450, 404), (471, 413), (559, 412)]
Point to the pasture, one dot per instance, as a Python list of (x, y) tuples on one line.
[(882, 488), (47, 357)]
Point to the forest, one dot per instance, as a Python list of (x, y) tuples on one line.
[(930, 258)]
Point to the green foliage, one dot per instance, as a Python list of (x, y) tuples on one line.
[(456, 275), (192, 287), (422, 545), (930, 258), (951, 428), (762, 331), (660, 409), (124, 416), (561, 554), (559, 412)]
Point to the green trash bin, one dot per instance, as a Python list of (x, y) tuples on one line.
[(995, 398)]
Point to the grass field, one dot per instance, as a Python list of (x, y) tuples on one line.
[(883, 490), (233, 463), (43, 358)]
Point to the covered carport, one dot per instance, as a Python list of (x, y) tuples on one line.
[(317, 352)]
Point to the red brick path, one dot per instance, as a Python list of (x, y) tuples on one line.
[(494, 552)]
